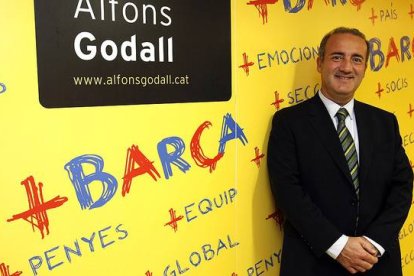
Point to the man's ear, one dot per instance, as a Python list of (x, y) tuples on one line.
[(318, 64)]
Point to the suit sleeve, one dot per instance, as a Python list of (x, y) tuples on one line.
[(385, 228), (286, 184)]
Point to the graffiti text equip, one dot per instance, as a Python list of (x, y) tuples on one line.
[(207, 205)]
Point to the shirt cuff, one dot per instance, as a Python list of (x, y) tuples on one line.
[(380, 249), (337, 247)]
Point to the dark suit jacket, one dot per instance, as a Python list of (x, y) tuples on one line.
[(312, 185)]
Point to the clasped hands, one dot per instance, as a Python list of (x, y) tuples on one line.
[(358, 255)]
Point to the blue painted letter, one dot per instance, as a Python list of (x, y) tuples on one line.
[(174, 157), (236, 132), (81, 181)]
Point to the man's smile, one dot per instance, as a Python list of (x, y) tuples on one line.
[(343, 77)]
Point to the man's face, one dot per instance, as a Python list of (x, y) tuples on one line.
[(342, 68)]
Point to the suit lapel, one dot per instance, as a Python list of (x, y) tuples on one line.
[(365, 145), (322, 123)]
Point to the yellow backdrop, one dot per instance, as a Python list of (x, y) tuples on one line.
[(202, 222)]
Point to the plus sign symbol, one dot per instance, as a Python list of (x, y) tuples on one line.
[(379, 90), (258, 157), (174, 219), (373, 17), (278, 217), (36, 215), (261, 6), (411, 12), (277, 101), (410, 111), (246, 64)]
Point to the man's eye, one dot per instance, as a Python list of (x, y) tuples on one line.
[(336, 58), (357, 59)]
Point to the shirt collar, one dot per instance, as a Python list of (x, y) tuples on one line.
[(333, 107)]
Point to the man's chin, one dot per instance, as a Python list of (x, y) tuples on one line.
[(345, 89)]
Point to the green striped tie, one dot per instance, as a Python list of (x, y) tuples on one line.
[(348, 146)]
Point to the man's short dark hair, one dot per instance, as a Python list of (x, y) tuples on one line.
[(341, 30)]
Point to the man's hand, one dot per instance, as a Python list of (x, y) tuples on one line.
[(358, 255)]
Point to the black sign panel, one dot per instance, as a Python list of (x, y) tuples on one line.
[(121, 52)]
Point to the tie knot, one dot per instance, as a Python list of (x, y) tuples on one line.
[(342, 114)]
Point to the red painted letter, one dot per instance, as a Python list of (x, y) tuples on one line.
[(135, 156), (197, 152)]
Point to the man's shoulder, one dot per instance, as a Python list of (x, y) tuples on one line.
[(298, 110), (373, 110)]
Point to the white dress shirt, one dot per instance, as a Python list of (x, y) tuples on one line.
[(351, 124)]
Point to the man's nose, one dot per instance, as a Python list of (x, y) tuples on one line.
[(346, 65)]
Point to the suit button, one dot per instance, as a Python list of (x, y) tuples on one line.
[(353, 202)]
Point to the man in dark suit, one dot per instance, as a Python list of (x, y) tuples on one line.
[(339, 173)]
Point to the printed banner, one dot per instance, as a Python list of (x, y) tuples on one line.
[(132, 52), (121, 184)]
